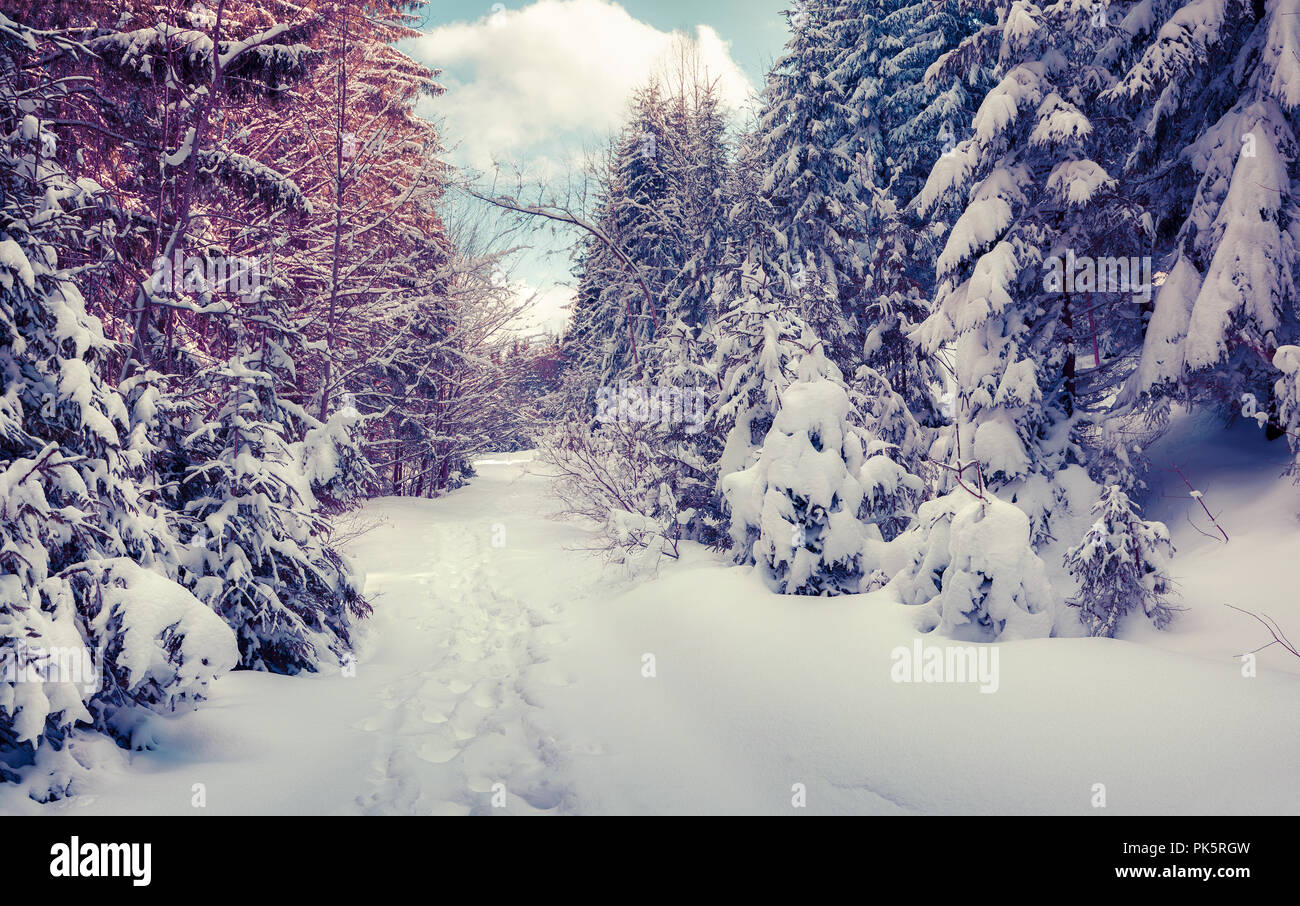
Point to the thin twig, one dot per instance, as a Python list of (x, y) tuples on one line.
[(1279, 637)]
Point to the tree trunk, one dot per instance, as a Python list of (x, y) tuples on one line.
[(338, 220)]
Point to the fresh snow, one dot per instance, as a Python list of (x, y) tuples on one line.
[(499, 654)]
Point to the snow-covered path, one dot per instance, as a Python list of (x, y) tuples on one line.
[(462, 636), (506, 672)]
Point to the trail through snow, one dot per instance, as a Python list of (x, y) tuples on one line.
[(458, 721)]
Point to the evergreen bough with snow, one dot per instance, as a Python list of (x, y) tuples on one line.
[(1122, 566), (1286, 392)]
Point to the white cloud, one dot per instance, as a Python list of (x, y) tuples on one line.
[(521, 83), (548, 308)]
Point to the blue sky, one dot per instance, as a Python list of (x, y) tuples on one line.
[(532, 87)]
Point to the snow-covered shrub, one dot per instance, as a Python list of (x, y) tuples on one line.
[(794, 512), (970, 559), (620, 476), (1121, 565), (160, 646), (98, 642), (926, 547), (994, 586)]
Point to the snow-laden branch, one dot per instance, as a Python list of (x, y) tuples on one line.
[(566, 216)]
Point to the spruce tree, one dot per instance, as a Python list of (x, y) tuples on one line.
[(1040, 194), (817, 158), (794, 512), (255, 535), (1122, 566), (257, 548)]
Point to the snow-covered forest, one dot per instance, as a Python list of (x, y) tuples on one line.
[(922, 437)]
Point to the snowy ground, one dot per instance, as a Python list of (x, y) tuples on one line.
[(500, 655)]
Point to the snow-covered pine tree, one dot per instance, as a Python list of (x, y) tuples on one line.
[(921, 107), (257, 549), (913, 122), (698, 157), (333, 459), (794, 512), (848, 130), (817, 153), (681, 359), (894, 41), (855, 117), (758, 348), (758, 333), (88, 560), (1014, 322), (641, 211), (1122, 566), (1213, 89), (649, 210), (666, 197), (925, 548), (233, 466)]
